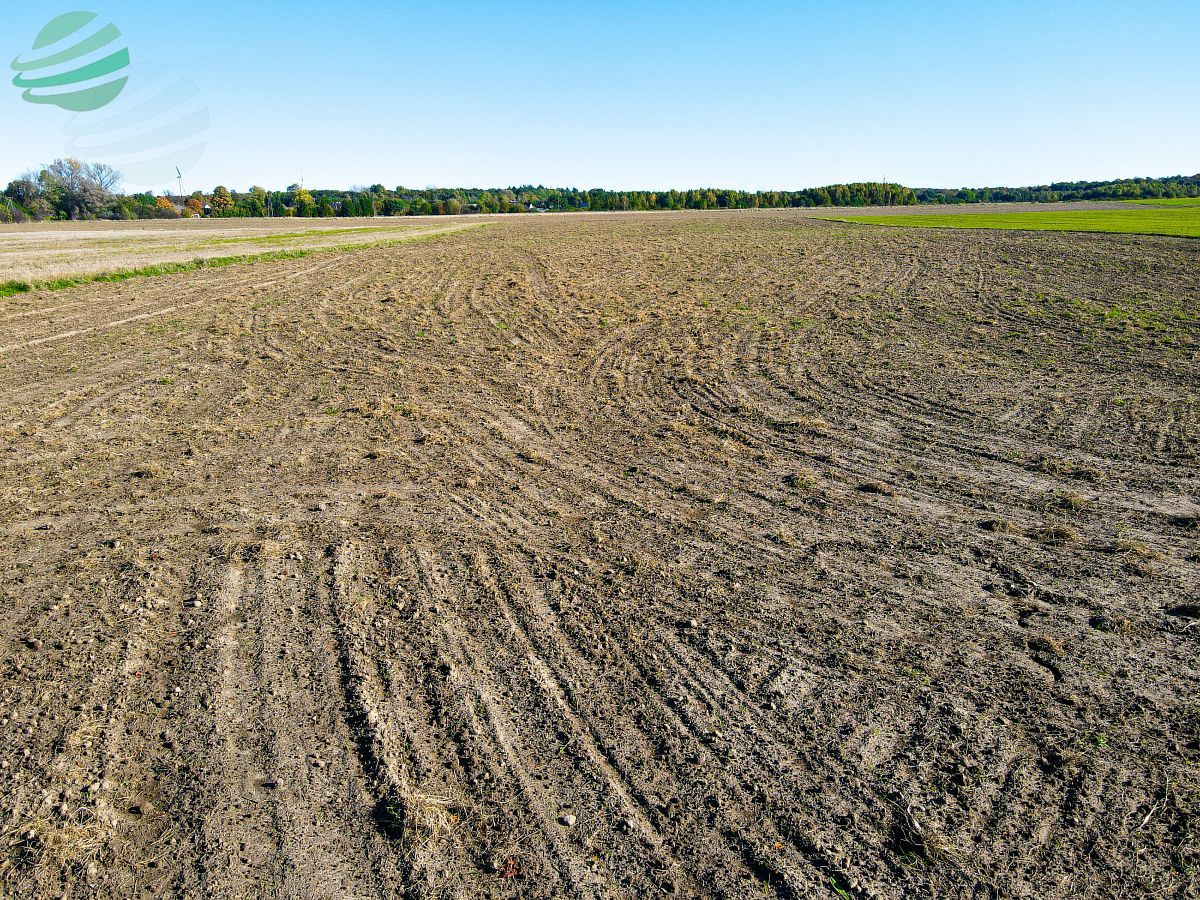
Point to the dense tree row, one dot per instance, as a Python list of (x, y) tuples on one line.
[(380, 201), (1064, 191), (36, 196), (70, 189)]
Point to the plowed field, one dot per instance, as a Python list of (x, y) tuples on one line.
[(707, 555)]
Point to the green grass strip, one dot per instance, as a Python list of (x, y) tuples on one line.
[(285, 236), (1179, 221), (12, 288)]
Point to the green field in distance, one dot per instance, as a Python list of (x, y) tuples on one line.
[(1167, 201), (1178, 220)]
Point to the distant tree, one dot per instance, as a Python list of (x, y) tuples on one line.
[(23, 191), (194, 206), (251, 205), (303, 203), (222, 200), (78, 190)]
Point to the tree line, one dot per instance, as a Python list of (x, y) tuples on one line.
[(1066, 191), (72, 189)]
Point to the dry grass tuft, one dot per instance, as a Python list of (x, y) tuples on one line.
[(1054, 534), (914, 837), (1000, 526), (785, 536), (430, 816), (1071, 501), (417, 817), (41, 848), (1122, 625), (1089, 473), (533, 456), (1134, 547), (1047, 644), (1139, 567), (263, 551), (149, 470), (877, 487), (1069, 468), (801, 480), (802, 424)]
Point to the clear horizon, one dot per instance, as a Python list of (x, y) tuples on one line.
[(651, 96)]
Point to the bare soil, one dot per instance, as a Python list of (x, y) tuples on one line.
[(705, 555)]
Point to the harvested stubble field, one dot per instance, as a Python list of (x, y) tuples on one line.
[(714, 555), (35, 255)]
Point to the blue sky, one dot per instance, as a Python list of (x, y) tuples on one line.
[(655, 94)]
